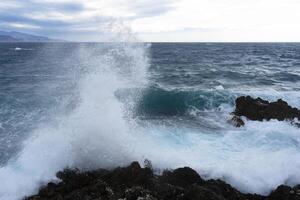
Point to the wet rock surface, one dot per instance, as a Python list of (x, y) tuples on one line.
[(259, 110), (137, 183), (236, 121)]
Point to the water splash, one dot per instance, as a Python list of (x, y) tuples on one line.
[(94, 134), (96, 129)]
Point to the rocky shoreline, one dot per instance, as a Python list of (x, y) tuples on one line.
[(137, 183), (259, 110), (141, 183)]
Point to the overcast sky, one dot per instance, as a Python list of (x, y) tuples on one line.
[(156, 20)]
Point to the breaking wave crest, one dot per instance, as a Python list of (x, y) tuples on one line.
[(100, 129), (92, 134)]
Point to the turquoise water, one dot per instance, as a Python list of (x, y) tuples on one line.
[(90, 105)]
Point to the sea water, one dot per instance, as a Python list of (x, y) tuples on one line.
[(91, 105)]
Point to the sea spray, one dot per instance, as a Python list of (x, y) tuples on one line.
[(93, 134), (255, 159), (99, 125)]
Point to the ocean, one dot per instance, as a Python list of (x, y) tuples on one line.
[(91, 105)]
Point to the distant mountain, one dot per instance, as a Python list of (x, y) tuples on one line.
[(6, 38), (13, 36)]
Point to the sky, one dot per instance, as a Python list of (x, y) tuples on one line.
[(156, 20)]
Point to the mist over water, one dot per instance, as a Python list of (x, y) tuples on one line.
[(90, 131), (107, 104)]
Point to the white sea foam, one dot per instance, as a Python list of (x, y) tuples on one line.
[(94, 134), (219, 87), (255, 158), (22, 49)]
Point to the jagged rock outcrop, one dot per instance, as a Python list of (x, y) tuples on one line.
[(259, 110), (137, 183)]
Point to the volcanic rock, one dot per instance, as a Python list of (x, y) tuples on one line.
[(137, 183), (259, 109)]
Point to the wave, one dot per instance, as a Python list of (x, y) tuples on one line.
[(95, 124), (253, 159), (158, 101), (101, 131), (22, 49)]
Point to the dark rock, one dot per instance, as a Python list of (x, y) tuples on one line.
[(168, 191), (48, 191), (255, 197), (96, 190), (259, 109), (286, 193), (130, 176), (223, 189), (196, 192), (181, 177), (137, 183), (135, 193), (236, 121)]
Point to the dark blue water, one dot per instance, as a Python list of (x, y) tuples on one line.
[(207, 65), (179, 94), (33, 80)]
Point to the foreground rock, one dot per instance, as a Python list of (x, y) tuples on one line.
[(259, 110), (136, 183)]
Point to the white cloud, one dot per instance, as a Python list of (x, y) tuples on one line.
[(158, 20), (230, 20), (22, 26)]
